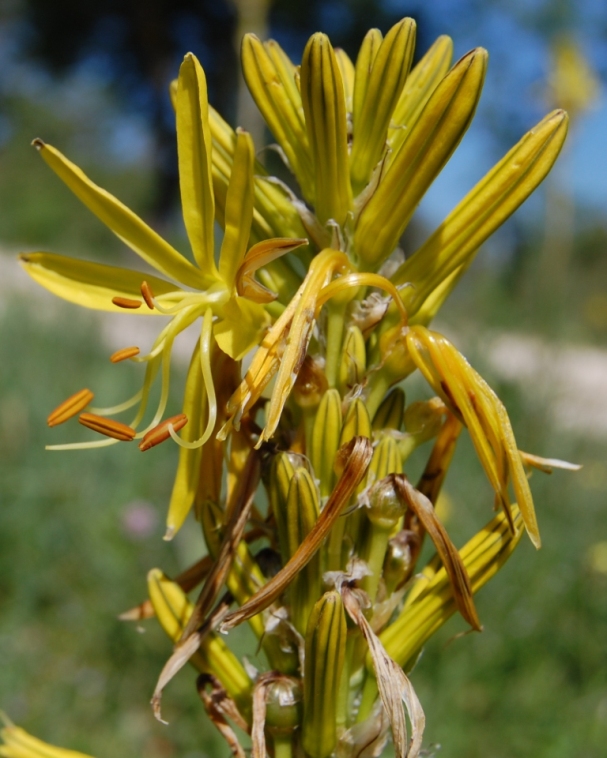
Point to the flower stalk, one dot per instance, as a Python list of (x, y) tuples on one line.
[(295, 433)]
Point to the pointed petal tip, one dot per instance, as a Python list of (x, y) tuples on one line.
[(169, 534), (38, 143)]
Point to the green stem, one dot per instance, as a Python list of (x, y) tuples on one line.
[(368, 699), (283, 745), (379, 384), (374, 553)]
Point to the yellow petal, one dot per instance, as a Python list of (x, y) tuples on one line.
[(270, 77), (123, 222), (194, 153), (260, 255), (93, 285), (239, 208), (346, 68), (453, 245), (383, 79), (423, 154), (420, 84), (241, 327), (324, 105), (19, 744), (188, 468)]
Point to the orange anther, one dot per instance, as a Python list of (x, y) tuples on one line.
[(147, 295), (122, 355), (70, 407), (161, 432), (126, 302), (114, 429)]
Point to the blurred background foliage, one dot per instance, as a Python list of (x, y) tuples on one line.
[(78, 531)]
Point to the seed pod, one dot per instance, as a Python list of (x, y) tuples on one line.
[(302, 513), (423, 420), (283, 705), (389, 415), (325, 652), (325, 440), (398, 563), (386, 509)]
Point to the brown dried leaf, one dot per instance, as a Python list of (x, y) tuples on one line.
[(239, 509), (184, 651), (258, 736), (460, 581), (547, 464), (358, 455), (219, 705), (392, 682)]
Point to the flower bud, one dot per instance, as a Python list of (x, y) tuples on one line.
[(389, 415), (302, 513), (325, 653), (354, 360), (325, 440)]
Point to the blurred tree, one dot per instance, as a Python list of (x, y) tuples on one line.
[(137, 45)]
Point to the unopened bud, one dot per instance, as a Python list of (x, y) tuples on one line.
[(325, 440), (302, 513), (325, 653), (390, 413), (354, 359)]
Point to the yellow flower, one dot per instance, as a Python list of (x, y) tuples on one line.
[(226, 295), (19, 744)]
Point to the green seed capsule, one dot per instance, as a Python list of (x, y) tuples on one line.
[(325, 440), (283, 705), (390, 413), (325, 652)]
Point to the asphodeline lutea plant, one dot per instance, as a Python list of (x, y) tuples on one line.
[(294, 430)]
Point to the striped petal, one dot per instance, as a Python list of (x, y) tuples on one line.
[(126, 225), (324, 105), (94, 285), (421, 157), (380, 78), (452, 247), (194, 153), (239, 208)]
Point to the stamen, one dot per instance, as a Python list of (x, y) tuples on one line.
[(114, 429), (83, 445), (113, 409), (70, 407), (126, 302), (124, 354), (162, 432), (207, 375), (147, 295)]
